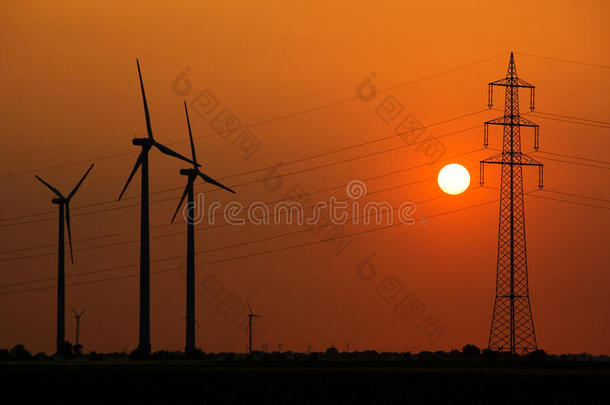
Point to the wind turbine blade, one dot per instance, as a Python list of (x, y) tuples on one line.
[(180, 203), (210, 180), (69, 231), (249, 307), (53, 189), (146, 113), (188, 123), (170, 152), (133, 171), (74, 312), (80, 182), (84, 310)]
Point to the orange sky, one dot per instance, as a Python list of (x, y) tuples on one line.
[(70, 94)]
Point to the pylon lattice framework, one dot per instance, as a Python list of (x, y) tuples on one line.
[(512, 325)]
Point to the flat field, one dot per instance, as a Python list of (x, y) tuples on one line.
[(198, 382)]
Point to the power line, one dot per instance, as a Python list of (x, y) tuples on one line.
[(589, 124), (180, 233), (370, 178), (571, 202), (574, 157), (575, 163), (576, 195), (267, 168), (237, 257), (323, 166), (375, 177), (572, 117), (227, 224), (564, 60), (566, 161), (566, 118), (564, 193), (530, 193), (271, 167), (169, 258), (267, 203), (266, 121)]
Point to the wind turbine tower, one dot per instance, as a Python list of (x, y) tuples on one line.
[(146, 144), (191, 174), (250, 316), (64, 215), (77, 316)]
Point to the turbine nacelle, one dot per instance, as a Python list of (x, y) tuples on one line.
[(143, 142), (149, 142), (193, 172), (64, 204), (188, 172)]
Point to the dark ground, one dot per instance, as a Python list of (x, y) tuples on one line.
[(201, 382)]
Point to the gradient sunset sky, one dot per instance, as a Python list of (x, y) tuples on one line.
[(290, 73)]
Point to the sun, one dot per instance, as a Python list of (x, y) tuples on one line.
[(453, 179)]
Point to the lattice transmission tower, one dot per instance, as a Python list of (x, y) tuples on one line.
[(512, 325)]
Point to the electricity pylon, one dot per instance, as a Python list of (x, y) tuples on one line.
[(512, 325)]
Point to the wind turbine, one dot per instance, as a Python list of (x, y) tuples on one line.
[(250, 316), (77, 316), (64, 212), (146, 144), (192, 174)]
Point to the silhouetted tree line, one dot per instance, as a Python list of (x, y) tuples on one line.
[(469, 353)]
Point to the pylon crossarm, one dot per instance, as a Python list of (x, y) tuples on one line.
[(512, 163), (528, 161), (523, 83), (523, 122), (515, 82), (493, 159)]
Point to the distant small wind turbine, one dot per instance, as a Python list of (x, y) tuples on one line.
[(250, 316), (64, 212), (192, 174), (146, 144), (77, 316)]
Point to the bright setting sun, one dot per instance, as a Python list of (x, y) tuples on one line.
[(453, 179)]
